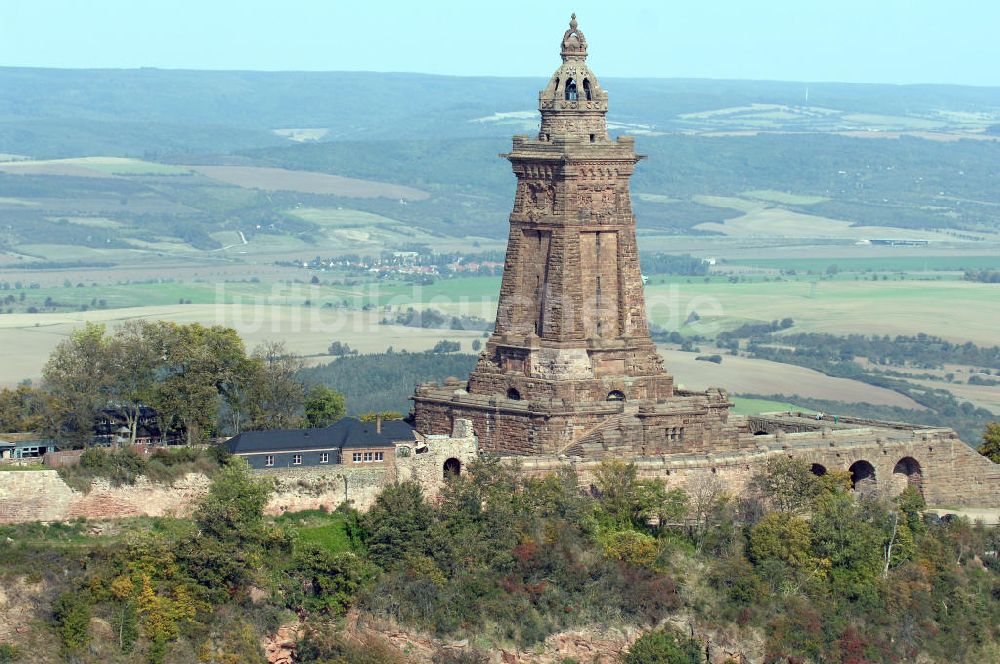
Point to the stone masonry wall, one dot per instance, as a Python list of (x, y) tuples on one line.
[(41, 495), (950, 472)]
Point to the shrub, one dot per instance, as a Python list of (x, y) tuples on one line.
[(323, 645), (630, 547), (71, 619), (664, 647), (9, 653)]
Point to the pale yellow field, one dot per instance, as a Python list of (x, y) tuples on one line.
[(27, 339), (92, 167), (955, 310), (280, 179), (749, 376), (783, 197), (777, 222), (984, 396)]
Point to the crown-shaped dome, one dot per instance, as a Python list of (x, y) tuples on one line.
[(574, 44), (573, 101)]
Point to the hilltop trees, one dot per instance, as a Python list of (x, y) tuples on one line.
[(23, 408), (77, 375), (324, 406), (193, 376), (991, 442)]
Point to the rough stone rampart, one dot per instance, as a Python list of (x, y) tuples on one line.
[(946, 470), (41, 495)]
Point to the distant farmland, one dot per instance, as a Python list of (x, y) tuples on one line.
[(307, 182)]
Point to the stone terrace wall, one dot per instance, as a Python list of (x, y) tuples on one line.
[(41, 495), (33, 495), (326, 488), (951, 473)]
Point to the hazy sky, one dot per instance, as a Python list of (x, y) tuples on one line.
[(890, 41)]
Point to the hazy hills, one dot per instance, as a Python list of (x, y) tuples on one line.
[(58, 113), (920, 158)]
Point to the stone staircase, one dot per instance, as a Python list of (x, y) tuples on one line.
[(605, 439)]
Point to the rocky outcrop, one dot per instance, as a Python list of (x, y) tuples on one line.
[(597, 644), (279, 648)]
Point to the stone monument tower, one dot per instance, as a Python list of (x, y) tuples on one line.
[(571, 357)]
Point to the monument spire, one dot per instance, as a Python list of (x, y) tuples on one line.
[(571, 346)]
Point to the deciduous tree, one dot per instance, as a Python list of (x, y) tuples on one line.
[(991, 442), (324, 406)]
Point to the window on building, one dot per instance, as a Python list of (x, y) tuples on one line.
[(324, 457), (378, 456), (571, 93), (356, 457), (368, 456), (269, 460), (296, 459)]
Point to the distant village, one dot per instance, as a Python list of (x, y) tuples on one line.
[(409, 264)]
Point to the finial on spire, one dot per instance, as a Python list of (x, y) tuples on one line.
[(574, 44)]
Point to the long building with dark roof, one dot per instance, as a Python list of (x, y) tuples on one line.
[(348, 441)]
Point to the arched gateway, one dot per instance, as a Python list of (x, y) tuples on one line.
[(863, 477)]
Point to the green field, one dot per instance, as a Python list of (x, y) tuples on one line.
[(343, 218), (784, 197), (326, 529), (878, 263), (117, 166)]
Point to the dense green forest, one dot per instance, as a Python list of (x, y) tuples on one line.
[(798, 567), (385, 381)]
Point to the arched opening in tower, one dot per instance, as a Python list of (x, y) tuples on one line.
[(452, 468), (907, 472), (863, 477), (571, 94), (616, 395), (513, 394), (586, 89)]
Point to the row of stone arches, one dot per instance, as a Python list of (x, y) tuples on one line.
[(613, 395), (572, 93), (906, 473)]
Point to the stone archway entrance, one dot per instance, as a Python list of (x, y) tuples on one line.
[(863, 477), (452, 468), (907, 472)]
